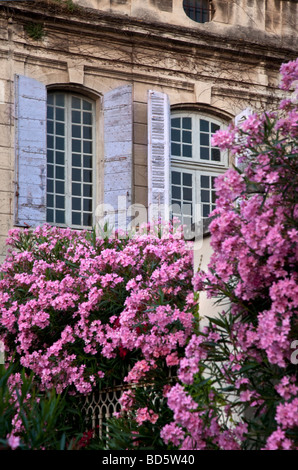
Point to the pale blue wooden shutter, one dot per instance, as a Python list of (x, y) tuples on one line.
[(158, 156), (30, 142), (118, 145)]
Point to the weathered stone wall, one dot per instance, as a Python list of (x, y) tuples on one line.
[(277, 17)]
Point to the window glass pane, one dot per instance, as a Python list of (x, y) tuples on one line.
[(175, 122), (76, 117), (50, 215), (50, 186), (76, 175), (187, 194), (87, 219), (187, 179), (50, 200), (50, 141), (76, 131), (59, 99), (215, 155), (76, 218), (60, 143), (175, 135), (50, 112), (206, 210), (204, 125), (60, 158), (87, 105), (87, 118), (59, 187), (50, 98), (204, 139), (176, 192), (187, 137), (50, 171), (76, 203), (187, 151), (76, 189), (50, 156), (205, 196), (50, 127), (87, 176), (76, 145), (205, 181), (59, 128), (87, 205), (87, 161), (176, 149), (60, 172), (87, 146), (87, 190), (59, 114), (87, 132), (176, 177), (60, 202), (75, 103), (76, 160), (186, 123), (204, 153)]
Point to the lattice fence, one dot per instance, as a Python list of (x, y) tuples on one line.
[(99, 406)]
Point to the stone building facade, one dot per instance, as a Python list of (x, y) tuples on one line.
[(109, 106)]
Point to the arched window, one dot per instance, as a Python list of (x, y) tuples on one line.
[(70, 159), (195, 164), (198, 10)]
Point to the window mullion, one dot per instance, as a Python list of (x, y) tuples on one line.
[(196, 196)]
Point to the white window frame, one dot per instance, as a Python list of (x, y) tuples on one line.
[(68, 95), (195, 165)]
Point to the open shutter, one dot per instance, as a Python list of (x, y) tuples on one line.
[(158, 156), (30, 115), (241, 117), (118, 130)]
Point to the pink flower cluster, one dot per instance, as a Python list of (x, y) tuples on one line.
[(189, 430), (143, 414), (72, 301)]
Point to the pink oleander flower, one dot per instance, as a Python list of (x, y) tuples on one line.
[(143, 414), (172, 433), (13, 441)]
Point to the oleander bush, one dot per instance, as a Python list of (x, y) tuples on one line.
[(80, 312), (238, 380)]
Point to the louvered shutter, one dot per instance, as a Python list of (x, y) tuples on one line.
[(118, 130), (30, 143), (241, 117), (158, 156)]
